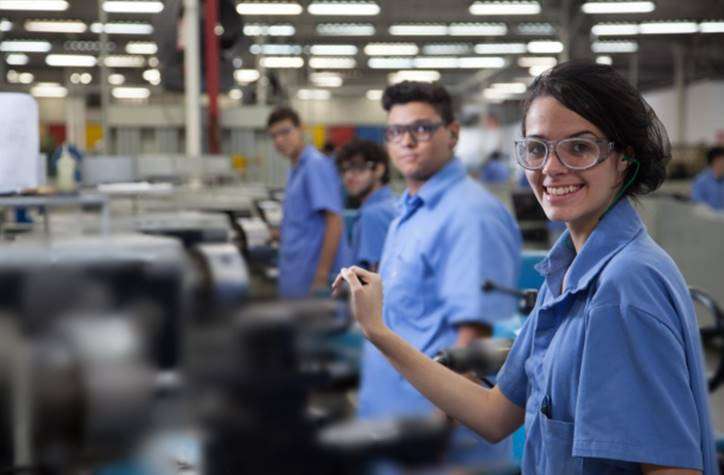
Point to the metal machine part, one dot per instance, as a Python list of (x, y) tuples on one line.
[(483, 357)]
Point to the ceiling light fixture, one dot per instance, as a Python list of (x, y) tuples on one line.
[(326, 79), (282, 62), (505, 8), (615, 29), (123, 28), (257, 29), (604, 60), (711, 27), (275, 49), (500, 48), (390, 63), (35, 5), (17, 59), (48, 89), (487, 62), (614, 47), (314, 94), (529, 61), (131, 92), (414, 75), (419, 30), (137, 6), (478, 29), (668, 27), (71, 60), (333, 50), (332, 63), (269, 8), (346, 29), (445, 49), (391, 49), (125, 61), (25, 46), (545, 47), (246, 76), (141, 47), (54, 26), (617, 7), (374, 94), (344, 8)]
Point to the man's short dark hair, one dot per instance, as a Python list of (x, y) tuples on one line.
[(713, 154), (283, 113), (369, 151), (414, 91)]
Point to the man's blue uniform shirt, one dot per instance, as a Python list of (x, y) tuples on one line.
[(370, 229), (708, 189), (448, 239), (610, 368), (313, 187)]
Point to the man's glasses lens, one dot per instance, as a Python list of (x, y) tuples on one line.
[(420, 131)]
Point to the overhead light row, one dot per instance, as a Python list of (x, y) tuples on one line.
[(361, 8), (110, 6), (454, 29), (618, 7), (505, 8), (411, 49), (438, 62), (657, 28)]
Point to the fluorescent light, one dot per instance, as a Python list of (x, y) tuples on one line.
[(346, 29), (125, 61), (614, 47), (86, 78), (505, 8), (5, 25), (332, 63), (34, 5), (538, 70), (326, 79), (116, 79), (257, 29), (615, 29), (478, 29), (486, 62), (17, 59), (419, 30), (25, 46), (390, 63), (333, 50), (71, 60), (510, 87), (436, 62), (414, 75), (314, 94), (138, 6), (391, 49), (529, 61), (51, 26), (123, 28), (274, 49), (245, 76), (269, 8), (500, 48), (48, 89), (617, 7), (668, 27), (604, 60), (541, 29), (141, 47), (236, 94), (711, 27), (495, 95), (374, 94), (282, 62), (15, 77), (153, 76), (544, 47), (344, 8), (131, 92), (444, 49)]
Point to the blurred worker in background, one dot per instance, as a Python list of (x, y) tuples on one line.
[(450, 236), (365, 169), (495, 170), (311, 241), (708, 187)]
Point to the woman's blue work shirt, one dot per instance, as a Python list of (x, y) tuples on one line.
[(610, 370)]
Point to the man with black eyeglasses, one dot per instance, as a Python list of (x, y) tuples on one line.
[(311, 230), (450, 236), (365, 169)]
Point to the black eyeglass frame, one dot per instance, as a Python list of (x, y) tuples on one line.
[(411, 130)]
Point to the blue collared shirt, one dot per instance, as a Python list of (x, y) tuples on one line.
[(449, 238), (708, 189), (313, 187), (370, 229), (610, 368)]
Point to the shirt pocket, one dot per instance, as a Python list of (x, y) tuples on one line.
[(405, 291), (558, 447)]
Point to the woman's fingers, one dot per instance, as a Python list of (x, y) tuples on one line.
[(337, 284), (351, 278)]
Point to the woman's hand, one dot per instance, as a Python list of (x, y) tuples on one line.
[(365, 289)]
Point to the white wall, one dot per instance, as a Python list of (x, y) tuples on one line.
[(704, 118)]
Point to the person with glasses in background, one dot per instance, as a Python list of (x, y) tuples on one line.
[(607, 372), (449, 237), (365, 170), (311, 244)]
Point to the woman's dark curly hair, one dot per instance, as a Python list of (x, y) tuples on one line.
[(603, 97)]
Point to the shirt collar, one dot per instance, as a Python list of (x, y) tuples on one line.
[(307, 152), (379, 195), (436, 185), (616, 229)]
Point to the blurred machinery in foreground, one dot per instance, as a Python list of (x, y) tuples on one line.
[(98, 337)]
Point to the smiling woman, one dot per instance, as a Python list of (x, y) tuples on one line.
[(607, 371)]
